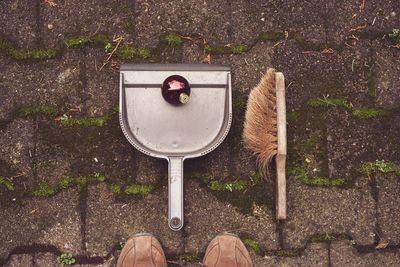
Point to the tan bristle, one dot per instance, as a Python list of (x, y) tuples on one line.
[(260, 129)]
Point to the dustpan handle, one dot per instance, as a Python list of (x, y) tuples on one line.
[(175, 193)]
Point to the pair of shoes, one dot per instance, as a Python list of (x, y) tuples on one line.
[(144, 250)]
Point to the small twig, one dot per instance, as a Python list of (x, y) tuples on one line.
[(118, 40), (362, 6), (358, 28)]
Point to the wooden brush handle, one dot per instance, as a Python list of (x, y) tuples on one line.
[(282, 147)]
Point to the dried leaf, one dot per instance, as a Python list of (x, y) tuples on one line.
[(328, 51), (382, 245), (51, 3)]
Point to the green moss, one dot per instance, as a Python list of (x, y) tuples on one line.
[(188, 257), (68, 121), (73, 42), (33, 110), (318, 238), (80, 181), (238, 185), (381, 166), (252, 244), (366, 113), (328, 102), (115, 188), (239, 49), (138, 189), (395, 36), (172, 39), (233, 49), (44, 190), (78, 41), (65, 182), (288, 253), (271, 36), (127, 52), (7, 183), (316, 181)]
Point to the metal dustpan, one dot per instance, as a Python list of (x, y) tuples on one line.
[(175, 112)]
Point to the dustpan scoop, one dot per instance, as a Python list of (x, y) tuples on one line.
[(175, 131)]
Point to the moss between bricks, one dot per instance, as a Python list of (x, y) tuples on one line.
[(15, 53), (316, 181), (7, 183), (172, 39), (34, 110), (288, 253), (187, 257), (73, 42), (68, 121), (138, 189), (362, 113), (128, 52), (232, 49), (252, 244), (366, 113), (380, 166), (238, 185), (44, 189), (115, 188), (318, 238)]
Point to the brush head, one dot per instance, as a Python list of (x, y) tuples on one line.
[(260, 125)]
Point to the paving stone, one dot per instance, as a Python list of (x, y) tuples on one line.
[(51, 163), (53, 82), (126, 218), (303, 19), (207, 18), (343, 254), (317, 210), (49, 221), (387, 80), (18, 23), (17, 144), (150, 170), (316, 254), (89, 150), (248, 20), (206, 217), (352, 141), (76, 18), (311, 74), (45, 260), (388, 207), (247, 68), (102, 86), (373, 19), (18, 260)]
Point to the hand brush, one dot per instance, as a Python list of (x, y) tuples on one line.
[(265, 131)]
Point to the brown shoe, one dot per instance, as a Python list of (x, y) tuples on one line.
[(142, 250), (227, 251)]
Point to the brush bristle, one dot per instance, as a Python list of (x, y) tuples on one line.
[(260, 125)]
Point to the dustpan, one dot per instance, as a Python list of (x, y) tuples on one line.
[(171, 131)]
